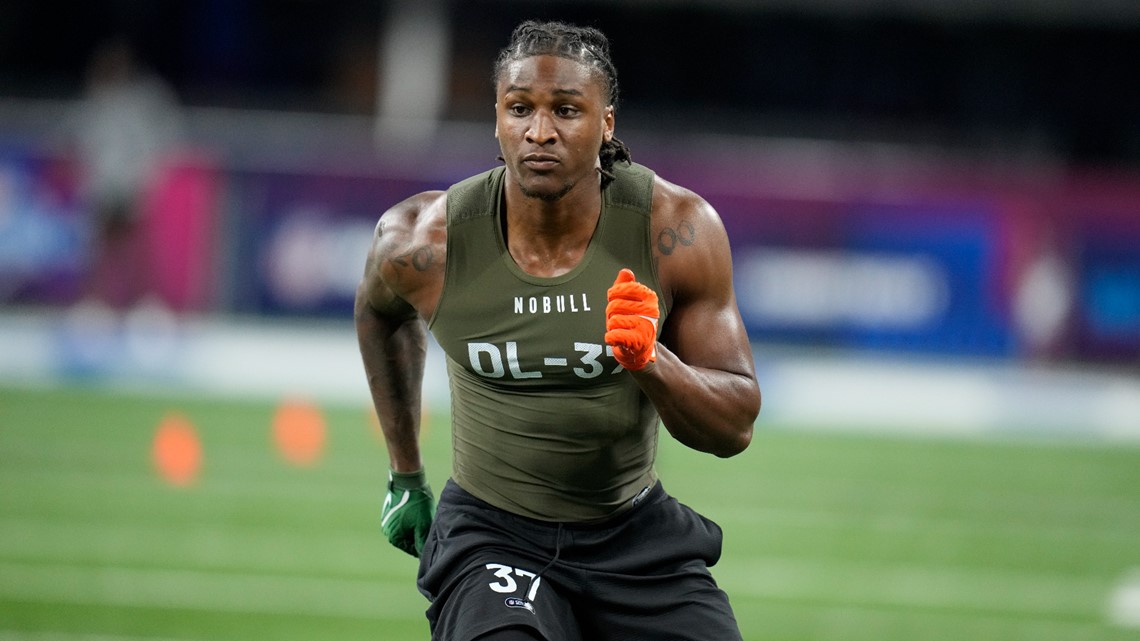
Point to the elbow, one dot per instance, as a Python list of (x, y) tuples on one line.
[(737, 444), (742, 437)]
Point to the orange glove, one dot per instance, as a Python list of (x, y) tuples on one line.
[(631, 321)]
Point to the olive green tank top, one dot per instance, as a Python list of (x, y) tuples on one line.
[(544, 421)]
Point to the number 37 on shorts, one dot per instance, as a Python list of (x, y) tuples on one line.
[(521, 585)]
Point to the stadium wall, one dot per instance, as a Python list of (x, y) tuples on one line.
[(839, 246)]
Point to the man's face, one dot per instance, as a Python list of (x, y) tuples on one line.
[(551, 116)]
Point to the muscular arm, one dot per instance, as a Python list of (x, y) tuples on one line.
[(703, 382), (393, 349), (401, 277)]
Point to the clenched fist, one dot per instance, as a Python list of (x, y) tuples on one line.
[(631, 321), (409, 508)]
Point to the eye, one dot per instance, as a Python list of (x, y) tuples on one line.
[(518, 109), (568, 111)]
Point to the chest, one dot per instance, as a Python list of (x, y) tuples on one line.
[(533, 331)]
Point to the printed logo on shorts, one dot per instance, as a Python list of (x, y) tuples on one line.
[(515, 602)]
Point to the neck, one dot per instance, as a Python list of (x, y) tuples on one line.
[(549, 238)]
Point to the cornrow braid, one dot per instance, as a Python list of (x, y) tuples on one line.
[(581, 44)]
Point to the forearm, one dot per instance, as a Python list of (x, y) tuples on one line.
[(708, 410), (394, 352)]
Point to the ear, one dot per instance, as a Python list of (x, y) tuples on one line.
[(608, 124)]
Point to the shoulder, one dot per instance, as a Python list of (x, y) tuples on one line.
[(679, 210), (417, 209), (679, 217), (690, 246), (416, 221), (408, 250)]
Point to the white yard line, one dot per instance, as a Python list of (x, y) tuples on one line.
[(364, 598), (944, 588), (214, 546), (896, 522), (1124, 606), (875, 623)]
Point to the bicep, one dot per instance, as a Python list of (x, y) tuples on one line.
[(709, 334), (704, 327)]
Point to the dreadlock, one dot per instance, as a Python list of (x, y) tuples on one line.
[(581, 44)]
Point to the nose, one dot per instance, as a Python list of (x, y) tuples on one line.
[(541, 130)]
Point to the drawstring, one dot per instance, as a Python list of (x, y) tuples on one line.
[(557, 550)]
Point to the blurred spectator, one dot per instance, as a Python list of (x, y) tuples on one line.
[(126, 121)]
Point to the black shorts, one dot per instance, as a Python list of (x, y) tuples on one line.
[(641, 575)]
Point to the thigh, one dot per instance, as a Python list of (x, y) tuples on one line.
[(688, 606), (653, 582), (501, 594), (481, 571)]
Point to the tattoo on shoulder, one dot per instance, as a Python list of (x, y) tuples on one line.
[(684, 234), (420, 259)]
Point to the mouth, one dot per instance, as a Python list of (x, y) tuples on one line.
[(540, 162)]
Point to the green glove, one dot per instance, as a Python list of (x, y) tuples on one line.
[(408, 511)]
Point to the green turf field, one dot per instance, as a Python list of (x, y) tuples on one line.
[(828, 537)]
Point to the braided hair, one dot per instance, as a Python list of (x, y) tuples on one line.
[(581, 44)]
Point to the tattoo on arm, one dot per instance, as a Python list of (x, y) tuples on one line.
[(420, 258), (669, 238)]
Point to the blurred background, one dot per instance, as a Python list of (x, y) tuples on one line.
[(934, 209)]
